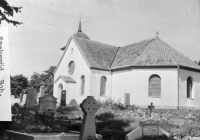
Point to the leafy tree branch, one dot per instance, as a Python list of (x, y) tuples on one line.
[(7, 11)]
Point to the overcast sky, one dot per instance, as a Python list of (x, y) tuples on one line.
[(48, 24)]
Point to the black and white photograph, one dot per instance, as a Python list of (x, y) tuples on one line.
[(99, 69)]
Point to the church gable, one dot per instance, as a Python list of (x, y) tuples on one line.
[(72, 54)]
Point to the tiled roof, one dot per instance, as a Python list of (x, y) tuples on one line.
[(179, 58), (81, 35), (127, 55), (151, 52), (99, 55)]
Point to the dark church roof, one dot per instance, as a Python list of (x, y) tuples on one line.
[(81, 35), (99, 55), (151, 52)]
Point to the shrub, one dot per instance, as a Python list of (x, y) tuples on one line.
[(188, 129), (132, 107), (75, 127), (105, 116), (113, 134), (112, 129), (107, 103), (66, 109)]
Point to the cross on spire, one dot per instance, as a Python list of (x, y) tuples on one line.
[(151, 107), (79, 28), (157, 33)]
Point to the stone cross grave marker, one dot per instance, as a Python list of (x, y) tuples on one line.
[(89, 107), (151, 107)]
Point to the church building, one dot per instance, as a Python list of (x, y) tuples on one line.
[(139, 73)]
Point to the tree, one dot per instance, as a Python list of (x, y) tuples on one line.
[(198, 63), (7, 11), (45, 79), (18, 84)]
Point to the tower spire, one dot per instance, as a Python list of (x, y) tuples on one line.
[(79, 28), (157, 33)]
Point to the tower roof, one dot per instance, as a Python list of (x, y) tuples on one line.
[(80, 33), (79, 28)]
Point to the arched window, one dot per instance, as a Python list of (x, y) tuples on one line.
[(154, 86), (189, 87), (60, 86), (82, 84), (103, 86)]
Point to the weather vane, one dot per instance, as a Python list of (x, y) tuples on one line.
[(157, 33)]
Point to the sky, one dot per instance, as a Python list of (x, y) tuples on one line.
[(48, 24)]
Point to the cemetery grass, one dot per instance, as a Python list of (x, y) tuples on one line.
[(178, 123), (113, 120)]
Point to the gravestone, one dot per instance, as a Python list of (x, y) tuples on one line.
[(21, 96), (22, 99), (73, 102), (42, 90), (63, 98), (149, 128), (89, 107), (40, 93), (127, 99), (146, 128), (47, 104), (31, 98)]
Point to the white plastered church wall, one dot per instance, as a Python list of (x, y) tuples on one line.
[(136, 82), (96, 81), (73, 90), (185, 102)]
